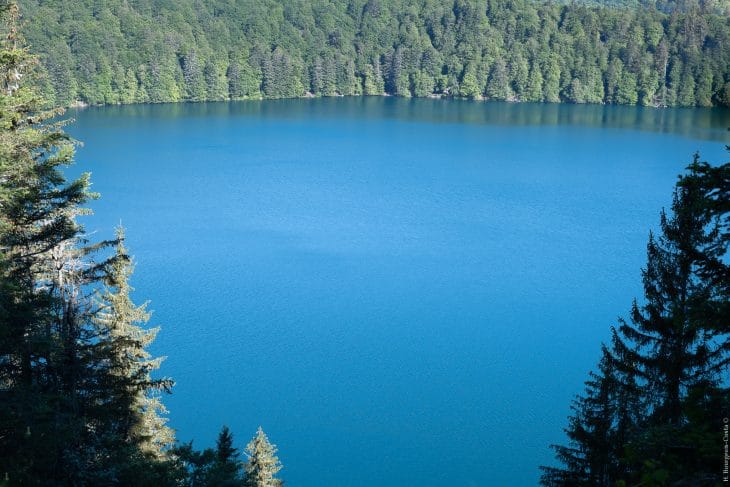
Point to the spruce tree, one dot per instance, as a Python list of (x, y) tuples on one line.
[(603, 417), (226, 468), (195, 465), (65, 372), (263, 464), (666, 363), (213, 467), (43, 271), (131, 397), (674, 345), (713, 185), (668, 341)]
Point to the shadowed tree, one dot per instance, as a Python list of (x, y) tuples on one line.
[(713, 185), (40, 277), (62, 373), (669, 357), (226, 468), (673, 343), (603, 417)]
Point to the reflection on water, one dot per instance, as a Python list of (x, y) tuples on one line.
[(700, 123)]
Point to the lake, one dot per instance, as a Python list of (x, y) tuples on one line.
[(401, 292)]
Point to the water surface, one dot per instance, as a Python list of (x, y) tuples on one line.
[(401, 292)]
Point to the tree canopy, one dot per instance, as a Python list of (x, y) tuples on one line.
[(659, 54)]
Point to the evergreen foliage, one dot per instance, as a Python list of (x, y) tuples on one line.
[(69, 387), (263, 464), (79, 400), (48, 355), (227, 468), (123, 339), (195, 464), (652, 412), (602, 419), (215, 467), (79, 403), (116, 51)]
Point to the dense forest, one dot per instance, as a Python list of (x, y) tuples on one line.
[(135, 51), (80, 401), (655, 410), (81, 398)]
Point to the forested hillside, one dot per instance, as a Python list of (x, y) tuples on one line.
[(130, 51)]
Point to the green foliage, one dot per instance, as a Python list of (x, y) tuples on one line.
[(651, 414), (75, 392), (78, 401), (592, 52), (44, 350), (218, 467), (227, 468)]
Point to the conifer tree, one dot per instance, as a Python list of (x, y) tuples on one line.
[(603, 417), (673, 344), (713, 185), (62, 374), (134, 395), (227, 467), (667, 361), (263, 464), (668, 341), (214, 467), (42, 274), (195, 465)]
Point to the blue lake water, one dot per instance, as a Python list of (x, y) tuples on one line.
[(401, 292)]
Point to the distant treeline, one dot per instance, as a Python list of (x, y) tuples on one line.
[(123, 51)]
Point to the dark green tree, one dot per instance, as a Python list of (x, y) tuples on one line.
[(668, 359), (196, 465), (672, 342), (71, 380), (226, 469), (39, 277), (604, 416), (713, 185)]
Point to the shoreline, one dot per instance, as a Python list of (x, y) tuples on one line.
[(81, 104)]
